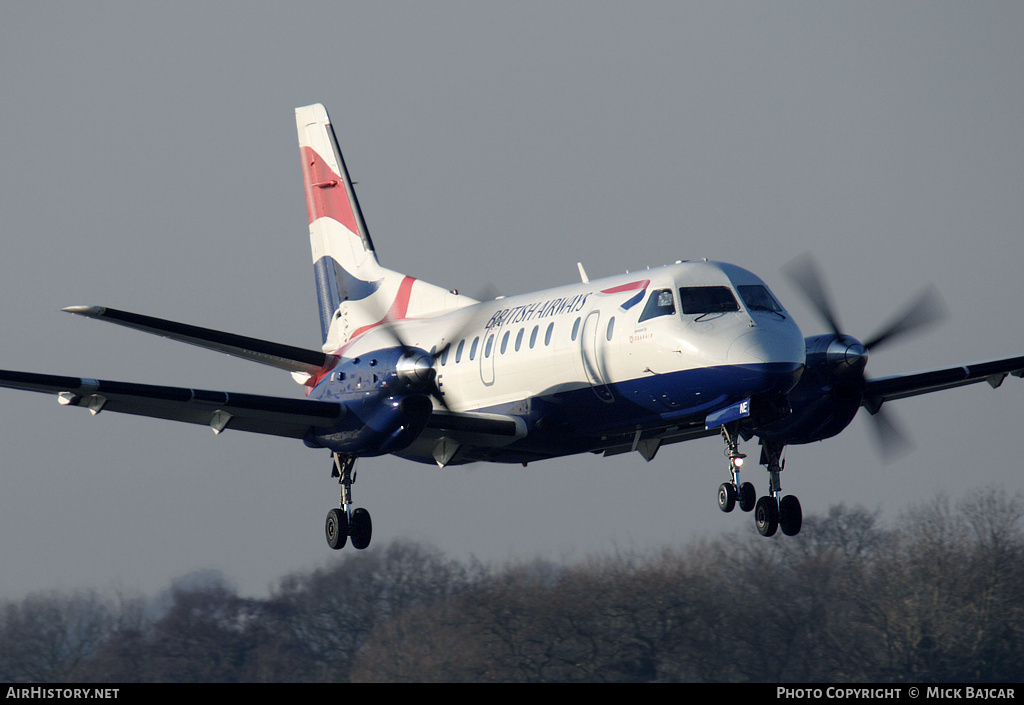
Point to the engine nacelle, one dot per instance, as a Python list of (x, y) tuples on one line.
[(828, 395), (386, 400)]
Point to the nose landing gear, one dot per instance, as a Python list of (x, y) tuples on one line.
[(772, 511), (729, 493)]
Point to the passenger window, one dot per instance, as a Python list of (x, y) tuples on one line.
[(504, 342), (575, 328), (547, 334), (700, 300), (490, 344), (533, 336), (611, 326), (519, 339), (472, 348), (458, 351), (661, 303)]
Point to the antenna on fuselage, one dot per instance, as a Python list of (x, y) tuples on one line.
[(583, 273)]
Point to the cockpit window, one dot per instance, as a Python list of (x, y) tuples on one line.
[(660, 304), (698, 300), (758, 298)]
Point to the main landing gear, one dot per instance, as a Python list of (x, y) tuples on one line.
[(343, 522), (771, 512)]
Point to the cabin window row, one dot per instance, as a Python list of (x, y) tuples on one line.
[(503, 345), (517, 344)]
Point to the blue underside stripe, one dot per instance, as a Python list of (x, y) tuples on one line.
[(661, 399)]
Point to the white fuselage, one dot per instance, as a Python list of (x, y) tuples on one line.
[(604, 351)]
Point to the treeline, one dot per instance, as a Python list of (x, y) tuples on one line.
[(938, 596)]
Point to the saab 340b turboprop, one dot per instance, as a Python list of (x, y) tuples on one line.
[(627, 363)]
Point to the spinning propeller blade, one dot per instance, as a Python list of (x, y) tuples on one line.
[(890, 439), (925, 310), (806, 275)]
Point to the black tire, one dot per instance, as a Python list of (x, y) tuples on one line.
[(748, 497), (361, 529), (766, 516), (726, 497), (791, 516), (336, 528)]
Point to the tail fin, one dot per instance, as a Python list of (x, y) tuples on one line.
[(354, 292), (342, 249)]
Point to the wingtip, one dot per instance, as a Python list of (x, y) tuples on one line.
[(84, 310)]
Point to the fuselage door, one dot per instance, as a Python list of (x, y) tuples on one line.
[(592, 352), (488, 353)]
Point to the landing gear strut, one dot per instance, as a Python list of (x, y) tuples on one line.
[(786, 509), (729, 493), (344, 522), (771, 512)]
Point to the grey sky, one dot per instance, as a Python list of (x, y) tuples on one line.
[(148, 161)]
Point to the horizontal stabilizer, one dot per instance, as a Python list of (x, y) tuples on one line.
[(285, 357), (276, 416)]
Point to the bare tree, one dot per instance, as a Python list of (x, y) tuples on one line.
[(946, 596), (47, 637), (939, 597), (317, 623)]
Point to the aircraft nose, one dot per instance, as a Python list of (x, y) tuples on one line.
[(767, 345), (777, 354)]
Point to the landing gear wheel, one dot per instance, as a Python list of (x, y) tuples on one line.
[(361, 528), (747, 497), (726, 497), (791, 516), (766, 516), (336, 528)]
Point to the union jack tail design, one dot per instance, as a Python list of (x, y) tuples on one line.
[(355, 293)]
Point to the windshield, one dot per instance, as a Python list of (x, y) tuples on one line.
[(758, 298), (697, 300), (660, 304)]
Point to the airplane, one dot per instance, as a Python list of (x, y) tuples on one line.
[(627, 363)]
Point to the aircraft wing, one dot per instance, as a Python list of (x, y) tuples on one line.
[(285, 357), (883, 389), (276, 416)]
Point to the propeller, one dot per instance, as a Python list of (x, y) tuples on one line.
[(922, 312), (487, 292), (417, 367), (805, 274), (890, 439)]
